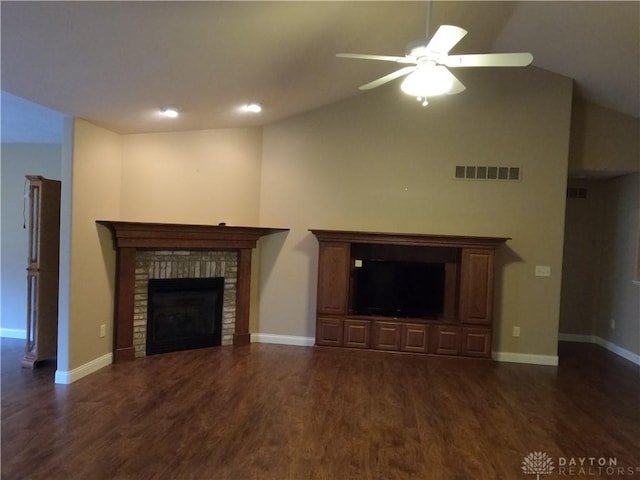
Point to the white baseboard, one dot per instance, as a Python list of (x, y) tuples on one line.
[(612, 347), (13, 333), (71, 376), (499, 356), (282, 339), (512, 357)]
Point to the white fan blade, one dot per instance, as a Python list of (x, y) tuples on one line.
[(387, 78), (363, 56), (489, 60), (445, 39)]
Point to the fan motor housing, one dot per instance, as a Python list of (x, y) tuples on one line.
[(417, 48)]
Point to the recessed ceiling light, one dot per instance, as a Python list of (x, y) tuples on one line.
[(169, 112), (251, 108)]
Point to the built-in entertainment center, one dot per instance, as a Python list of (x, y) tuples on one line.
[(406, 292)]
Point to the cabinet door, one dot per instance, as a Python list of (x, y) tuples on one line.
[(333, 277), (386, 335), (415, 338), (476, 293), (357, 333), (446, 340), (476, 342), (329, 331)]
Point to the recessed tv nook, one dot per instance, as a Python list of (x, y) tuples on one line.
[(401, 289), (406, 292)]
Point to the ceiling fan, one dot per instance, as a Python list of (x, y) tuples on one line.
[(429, 61)]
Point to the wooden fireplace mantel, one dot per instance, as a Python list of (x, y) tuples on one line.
[(175, 235), (131, 236)]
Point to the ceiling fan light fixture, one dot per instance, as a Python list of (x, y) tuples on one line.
[(428, 81)]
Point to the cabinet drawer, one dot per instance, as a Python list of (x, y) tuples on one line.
[(446, 340), (415, 338), (357, 333), (329, 331), (476, 342), (386, 335)]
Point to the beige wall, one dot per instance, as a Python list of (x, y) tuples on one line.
[(380, 162), (198, 177), (603, 140), (94, 183)]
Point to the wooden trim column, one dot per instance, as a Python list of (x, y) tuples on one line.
[(123, 324), (241, 336)]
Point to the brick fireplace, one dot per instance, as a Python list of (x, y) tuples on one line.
[(157, 250), (183, 264)]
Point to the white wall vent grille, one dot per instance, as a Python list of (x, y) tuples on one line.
[(476, 172)]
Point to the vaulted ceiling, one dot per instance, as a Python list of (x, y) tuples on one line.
[(117, 63)]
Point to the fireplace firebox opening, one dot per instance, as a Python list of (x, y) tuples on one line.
[(184, 314)]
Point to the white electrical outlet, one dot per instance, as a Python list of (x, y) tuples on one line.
[(543, 271), (516, 331), (103, 330), (613, 324)]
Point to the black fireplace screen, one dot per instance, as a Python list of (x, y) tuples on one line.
[(184, 313)]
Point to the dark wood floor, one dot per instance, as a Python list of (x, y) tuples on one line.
[(281, 412)]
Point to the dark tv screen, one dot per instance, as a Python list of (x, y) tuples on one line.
[(398, 289)]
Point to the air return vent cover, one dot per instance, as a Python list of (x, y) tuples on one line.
[(478, 172)]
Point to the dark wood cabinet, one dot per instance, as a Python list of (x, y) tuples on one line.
[(464, 326), (42, 270)]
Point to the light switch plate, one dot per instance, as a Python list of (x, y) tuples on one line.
[(543, 271)]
